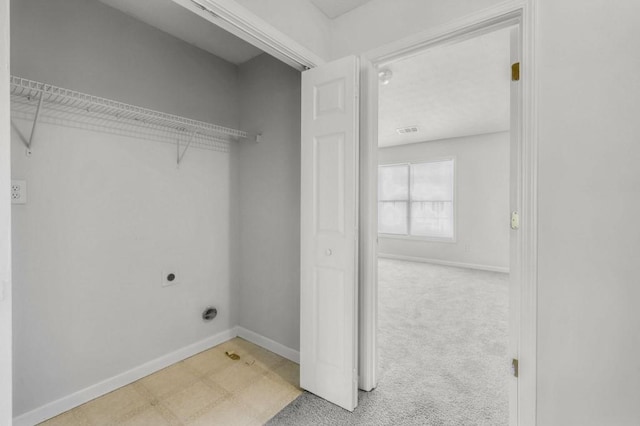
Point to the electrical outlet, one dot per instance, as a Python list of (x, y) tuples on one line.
[(18, 192)]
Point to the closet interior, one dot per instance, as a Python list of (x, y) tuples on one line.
[(157, 180)]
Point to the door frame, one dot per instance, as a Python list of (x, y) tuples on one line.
[(515, 12), (242, 23)]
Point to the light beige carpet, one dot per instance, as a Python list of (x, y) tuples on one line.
[(443, 338)]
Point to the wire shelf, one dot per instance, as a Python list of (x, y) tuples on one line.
[(72, 108)]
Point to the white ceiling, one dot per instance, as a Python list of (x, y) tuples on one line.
[(335, 8), (450, 91), (185, 25)]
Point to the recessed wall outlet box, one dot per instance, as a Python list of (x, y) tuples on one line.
[(170, 277), (18, 192)]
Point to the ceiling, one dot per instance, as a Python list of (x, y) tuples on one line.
[(449, 91), (186, 25), (334, 8)]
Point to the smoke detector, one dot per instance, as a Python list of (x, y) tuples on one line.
[(407, 130)]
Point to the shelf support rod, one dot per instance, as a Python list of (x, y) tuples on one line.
[(181, 155), (35, 122)]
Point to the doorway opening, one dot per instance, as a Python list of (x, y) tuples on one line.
[(443, 214), (446, 312)]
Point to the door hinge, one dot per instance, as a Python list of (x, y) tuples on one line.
[(515, 71), (514, 367), (515, 220)]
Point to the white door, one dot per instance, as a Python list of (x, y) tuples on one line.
[(329, 245)]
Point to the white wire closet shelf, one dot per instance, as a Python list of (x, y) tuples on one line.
[(58, 103)]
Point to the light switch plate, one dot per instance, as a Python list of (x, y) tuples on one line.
[(18, 192)]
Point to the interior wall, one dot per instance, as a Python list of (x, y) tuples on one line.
[(269, 203), (87, 46), (589, 202), (481, 201), (107, 214), (5, 224)]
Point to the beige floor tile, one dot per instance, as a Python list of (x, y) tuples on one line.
[(230, 412), (238, 376), (70, 418), (209, 362), (149, 417), (287, 371), (264, 394), (167, 414), (237, 345), (169, 380), (190, 402), (279, 403), (206, 389), (112, 407), (264, 358)]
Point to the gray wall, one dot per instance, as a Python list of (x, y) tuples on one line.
[(107, 214), (481, 198), (270, 201), (87, 46)]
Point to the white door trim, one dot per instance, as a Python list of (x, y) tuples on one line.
[(523, 13), (242, 23), (6, 400)]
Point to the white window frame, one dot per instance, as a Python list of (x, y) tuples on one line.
[(408, 235)]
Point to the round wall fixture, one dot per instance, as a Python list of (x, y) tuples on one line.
[(209, 313), (385, 75)]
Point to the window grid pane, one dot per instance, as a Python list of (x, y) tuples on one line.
[(393, 183), (432, 219), (417, 199), (431, 191), (392, 217), (432, 181)]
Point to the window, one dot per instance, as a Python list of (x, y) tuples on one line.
[(416, 199)]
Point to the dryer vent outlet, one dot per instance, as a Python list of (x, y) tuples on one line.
[(209, 313)]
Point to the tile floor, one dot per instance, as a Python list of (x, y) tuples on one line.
[(207, 389)]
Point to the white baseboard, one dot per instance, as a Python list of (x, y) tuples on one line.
[(78, 398), (445, 262), (272, 345)]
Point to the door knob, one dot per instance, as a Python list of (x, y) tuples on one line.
[(328, 252)]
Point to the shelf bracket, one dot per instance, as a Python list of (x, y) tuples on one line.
[(35, 124), (28, 143), (181, 155)]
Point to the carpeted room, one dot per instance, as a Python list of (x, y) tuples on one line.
[(442, 335), (443, 241)]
